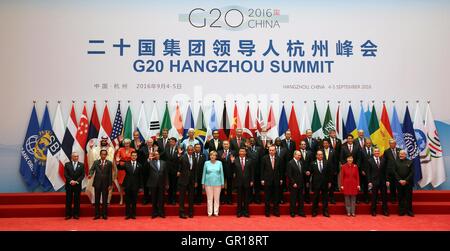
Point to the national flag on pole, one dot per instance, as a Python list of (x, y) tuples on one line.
[(380, 136), (94, 127), (316, 125), (128, 125), (105, 126), (81, 140), (272, 129), (411, 145), (166, 123), (367, 114), (293, 126), (178, 123), (55, 154), (212, 123), (397, 131), (350, 126), (155, 127), (69, 138), (200, 128), (249, 128), (142, 124), (27, 161), (224, 131), (384, 121), (283, 125), (362, 124), (328, 124), (117, 128), (236, 123), (260, 124), (421, 139), (41, 148), (188, 122), (433, 169), (339, 122), (305, 123)]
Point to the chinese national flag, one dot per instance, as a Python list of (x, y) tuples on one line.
[(236, 122)]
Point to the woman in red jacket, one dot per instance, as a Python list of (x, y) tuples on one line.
[(350, 184)]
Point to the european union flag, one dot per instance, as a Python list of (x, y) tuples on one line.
[(412, 149), (27, 160)]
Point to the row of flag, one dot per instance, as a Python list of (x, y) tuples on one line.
[(47, 146)]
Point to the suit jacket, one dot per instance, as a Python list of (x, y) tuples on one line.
[(157, 178), (295, 175), (243, 178), (331, 160), (283, 156), (320, 179), (76, 175), (290, 149), (143, 154), (390, 160), (226, 162), (308, 158), (200, 162), (355, 153), (212, 147), (103, 177), (403, 170), (377, 175), (313, 147), (234, 144), (358, 142), (136, 147), (133, 178), (172, 160), (187, 176), (337, 148), (161, 149), (260, 143), (268, 174), (364, 161)]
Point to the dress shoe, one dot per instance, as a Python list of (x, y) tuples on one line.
[(386, 213), (68, 217), (411, 214), (76, 217), (301, 214), (154, 216), (127, 217), (292, 215), (267, 214), (96, 217), (333, 201), (277, 214), (366, 201), (191, 215), (105, 217), (401, 214), (374, 214), (314, 214), (182, 216), (326, 214), (239, 215), (246, 215), (133, 217), (162, 216)]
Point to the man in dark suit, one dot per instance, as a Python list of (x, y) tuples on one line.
[(102, 169), (271, 181), (172, 166), (243, 170), (330, 157), (214, 144), (136, 142), (289, 144), (404, 176), (307, 159), (163, 144), (255, 153), (199, 159), (74, 174), (321, 182), (391, 155), (157, 182), (350, 147), (187, 179), (224, 156), (296, 173), (361, 140), (282, 154), (238, 142), (366, 154), (311, 143), (336, 145), (143, 154), (131, 183), (377, 178), (264, 141)]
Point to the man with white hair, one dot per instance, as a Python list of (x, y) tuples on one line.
[(391, 155), (190, 141)]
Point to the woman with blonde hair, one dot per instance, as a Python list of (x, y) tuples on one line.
[(213, 182)]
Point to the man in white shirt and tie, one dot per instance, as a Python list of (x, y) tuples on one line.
[(132, 183), (224, 156), (102, 172), (377, 178), (307, 158), (391, 155), (271, 180), (213, 143), (321, 183), (74, 174), (296, 171)]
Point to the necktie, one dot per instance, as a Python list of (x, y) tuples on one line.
[(320, 166), (157, 164), (134, 165), (333, 143), (254, 149), (273, 162), (171, 151), (226, 154), (242, 164), (303, 154), (74, 166), (103, 165), (190, 161), (288, 143), (239, 142), (350, 148), (298, 165), (368, 151), (164, 143), (394, 153), (378, 163), (278, 151), (216, 143)]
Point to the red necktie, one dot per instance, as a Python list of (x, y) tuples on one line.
[(242, 164), (273, 162)]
